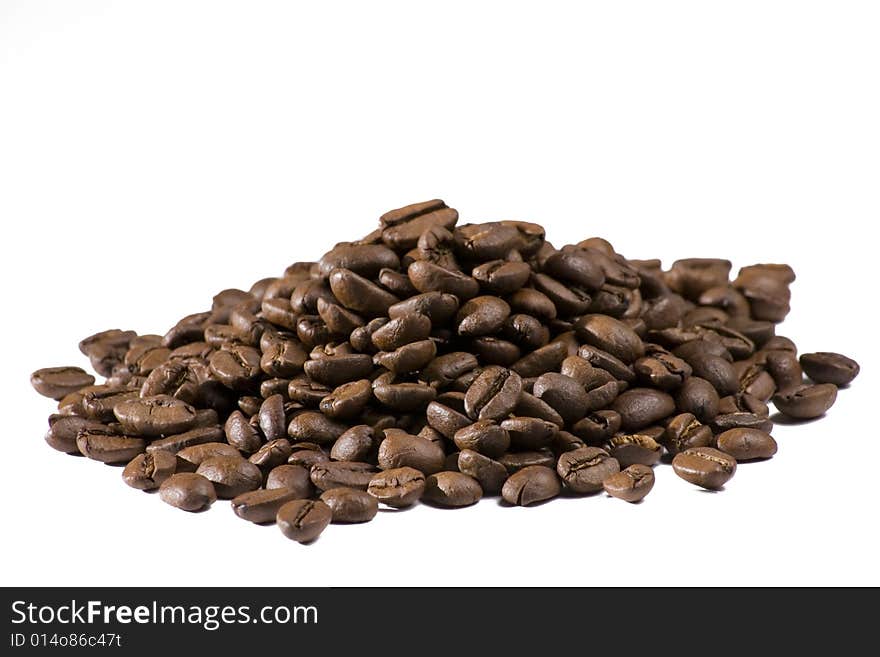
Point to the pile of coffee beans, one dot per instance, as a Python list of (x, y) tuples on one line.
[(442, 362)]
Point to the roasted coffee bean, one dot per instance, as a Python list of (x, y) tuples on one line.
[(828, 367), (583, 470), (236, 366), (706, 467), (603, 360), (272, 454), (532, 484), (303, 520), (408, 358), (283, 358), (493, 394), (148, 471), (565, 395), (63, 430), (241, 434), (785, 369), (641, 407), (401, 449), (490, 474), (272, 418), (563, 441), (501, 276), (482, 315), (355, 444), (515, 461), (528, 433), (188, 491), (307, 392), (483, 436), (530, 406), (174, 378), (611, 336), (403, 227), (439, 307), (398, 487), (631, 484), (231, 475), (106, 446), (662, 370), (336, 370), (569, 301), (57, 382), (576, 267), (335, 474), (307, 457), (190, 458), (177, 442), (747, 444), (99, 405), (292, 477), (741, 420), (597, 427), (452, 489), (685, 431), (261, 506), (699, 397), (806, 402), (350, 505), (364, 259), (315, 427), (631, 449), (743, 403), (428, 277)]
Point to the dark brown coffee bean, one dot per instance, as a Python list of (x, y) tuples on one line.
[(63, 430), (292, 477), (564, 394), (398, 487), (532, 484), (806, 402), (355, 444), (631, 449), (403, 227), (307, 392), (186, 439), (190, 458), (336, 370), (501, 276), (743, 403), (428, 277), (231, 475), (530, 406), (148, 471), (404, 397), (99, 405), (631, 484), (704, 466), (359, 294), (303, 520), (741, 420), (261, 506), (597, 427), (408, 358), (315, 427), (641, 407), (482, 315), (58, 382), (568, 301), (829, 367), (483, 436), (486, 241), (272, 454), (188, 491), (515, 461), (364, 259), (493, 394), (529, 433), (699, 397), (583, 470), (350, 505), (685, 431), (747, 444), (400, 450), (108, 447), (576, 267), (174, 378), (603, 360), (348, 474), (526, 331), (754, 380), (490, 474), (452, 489), (436, 306), (662, 370), (401, 331), (611, 336), (241, 434)]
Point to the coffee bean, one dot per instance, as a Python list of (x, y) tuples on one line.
[(631, 484), (699, 397), (501, 276), (597, 427), (541, 360), (439, 307), (315, 427), (57, 382), (190, 458), (515, 461), (704, 466), (747, 444), (583, 470), (405, 450), (632, 449), (529, 433), (186, 439), (530, 406), (408, 358), (483, 436), (565, 395), (685, 431), (806, 402), (452, 489), (174, 378), (448, 416), (348, 474), (99, 405), (336, 370), (397, 487), (828, 367), (743, 403), (241, 434), (231, 475), (293, 477), (63, 430), (364, 259), (611, 336), (605, 361), (490, 474), (303, 520), (740, 420), (262, 506), (493, 394), (148, 471), (236, 366), (482, 315), (355, 444), (188, 491), (641, 407), (273, 453), (404, 397), (532, 484), (106, 446), (272, 418), (350, 505)]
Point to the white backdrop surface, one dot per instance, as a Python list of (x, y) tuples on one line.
[(152, 154)]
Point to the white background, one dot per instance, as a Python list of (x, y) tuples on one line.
[(154, 153)]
